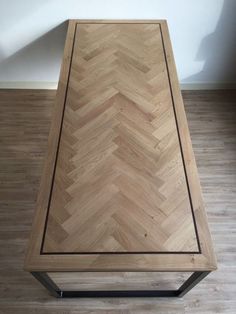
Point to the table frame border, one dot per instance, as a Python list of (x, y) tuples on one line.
[(42, 263), (55, 291)]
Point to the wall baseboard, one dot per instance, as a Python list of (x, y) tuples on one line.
[(207, 86), (53, 85), (28, 85)]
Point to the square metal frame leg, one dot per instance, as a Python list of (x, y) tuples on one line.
[(49, 284)]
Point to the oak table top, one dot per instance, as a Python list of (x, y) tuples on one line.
[(120, 189)]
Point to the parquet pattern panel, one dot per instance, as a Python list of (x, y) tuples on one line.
[(119, 183)]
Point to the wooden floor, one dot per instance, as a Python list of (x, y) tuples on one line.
[(24, 126)]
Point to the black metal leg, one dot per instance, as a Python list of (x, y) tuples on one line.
[(48, 283), (45, 280), (194, 279)]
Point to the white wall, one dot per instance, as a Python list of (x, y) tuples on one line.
[(202, 33)]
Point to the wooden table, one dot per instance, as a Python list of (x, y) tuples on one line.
[(120, 190)]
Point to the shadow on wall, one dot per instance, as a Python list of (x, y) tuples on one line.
[(45, 53), (220, 60), (41, 59), (15, 25)]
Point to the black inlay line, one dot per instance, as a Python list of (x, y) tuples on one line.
[(119, 253), (59, 139), (180, 143), (54, 170)]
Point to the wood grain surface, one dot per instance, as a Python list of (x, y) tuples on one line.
[(25, 121), (120, 175), (119, 184)]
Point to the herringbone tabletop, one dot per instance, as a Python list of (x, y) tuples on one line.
[(120, 183)]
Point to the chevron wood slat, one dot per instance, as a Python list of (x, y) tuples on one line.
[(120, 189), (119, 184)]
